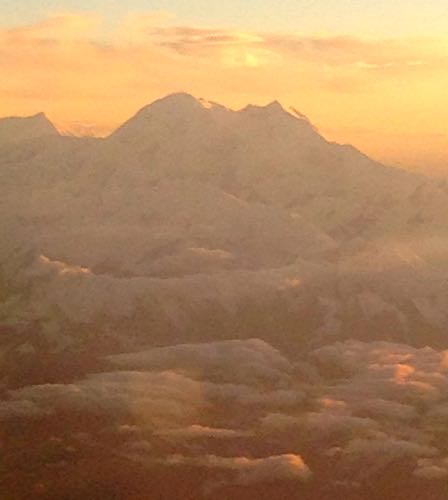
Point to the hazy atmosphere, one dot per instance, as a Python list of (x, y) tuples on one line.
[(373, 74), (223, 250)]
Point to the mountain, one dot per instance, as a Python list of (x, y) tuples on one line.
[(192, 214), (218, 144), (212, 303), (17, 129), (277, 158)]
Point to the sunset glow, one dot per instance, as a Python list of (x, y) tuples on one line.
[(383, 93), (224, 250)]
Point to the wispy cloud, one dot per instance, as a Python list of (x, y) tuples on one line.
[(335, 51)]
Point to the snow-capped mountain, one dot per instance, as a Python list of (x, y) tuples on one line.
[(212, 303), (192, 211)]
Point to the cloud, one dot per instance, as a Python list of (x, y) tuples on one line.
[(246, 396), (382, 408), (386, 406), (156, 400), (330, 50), (245, 361), (20, 408), (65, 27), (327, 423), (62, 267), (196, 431), (251, 470), (432, 468), (231, 48), (387, 450), (171, 388), (185, 38)]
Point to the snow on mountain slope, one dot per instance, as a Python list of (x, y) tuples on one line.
[(195, 221), (271, 156), (217, 303)]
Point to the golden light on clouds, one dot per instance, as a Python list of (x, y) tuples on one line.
[(379, 94)]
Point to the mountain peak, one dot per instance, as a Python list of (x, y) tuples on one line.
[(181, 111), (173, 108), (178, 98), (178, 101), (274, 106), (18, 128), (274, 109), (39, 116)]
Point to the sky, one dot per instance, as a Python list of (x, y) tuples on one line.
[(370, 73)]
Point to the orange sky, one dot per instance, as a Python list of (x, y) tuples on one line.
[(385, 95)]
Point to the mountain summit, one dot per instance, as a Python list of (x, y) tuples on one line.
[(17, 129), (180, 135), (181, 111)]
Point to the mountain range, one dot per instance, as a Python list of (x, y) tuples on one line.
[(190, 209), (202, 269)]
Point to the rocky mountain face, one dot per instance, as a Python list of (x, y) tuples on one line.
[(154, 259)]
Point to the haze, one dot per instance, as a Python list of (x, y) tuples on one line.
[(203, 294), (370, 74)]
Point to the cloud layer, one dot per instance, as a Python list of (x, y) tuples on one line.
[(363, 408)]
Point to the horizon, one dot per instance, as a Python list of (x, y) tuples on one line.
[(89, 65), (86, 130)]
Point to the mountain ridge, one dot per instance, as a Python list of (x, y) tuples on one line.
[(18, 128), (208, 286), (194, 207), (178, 102)]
